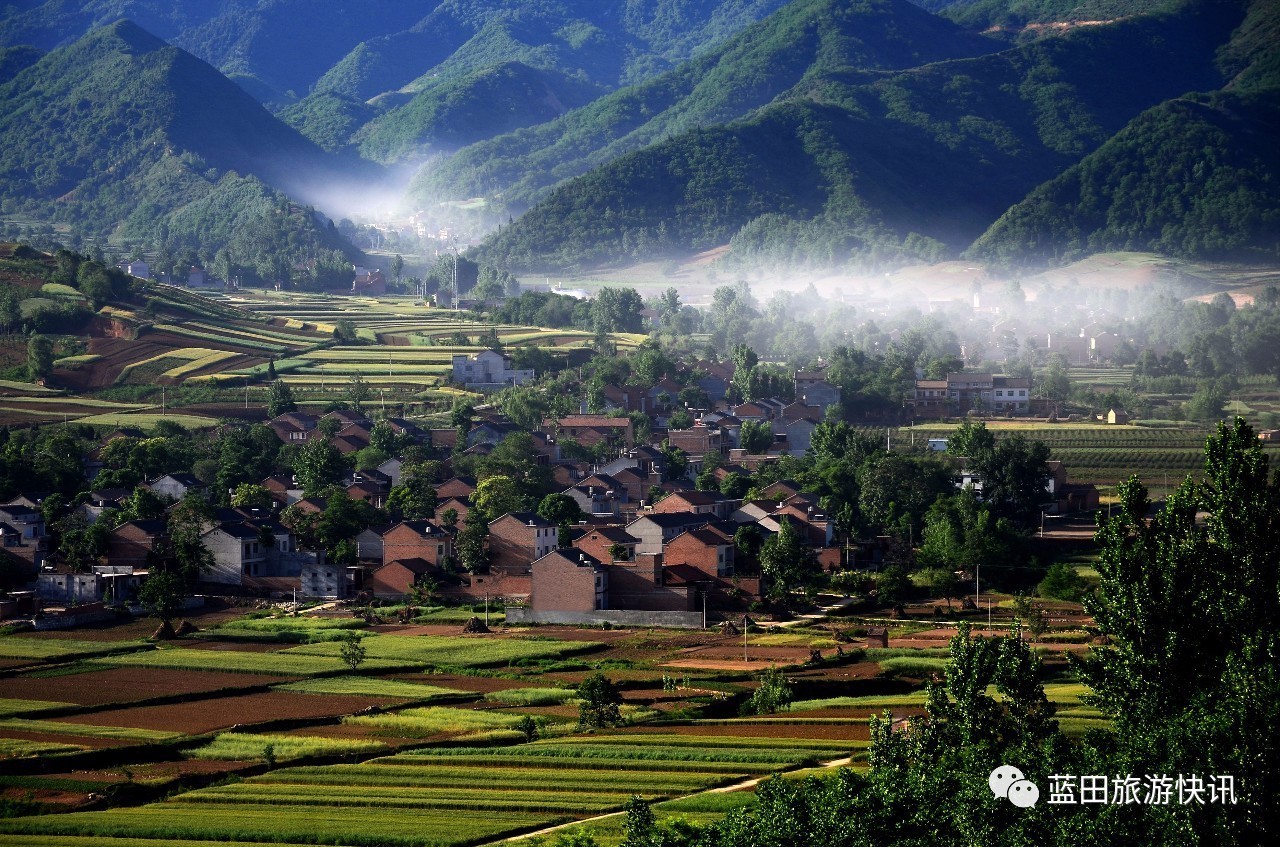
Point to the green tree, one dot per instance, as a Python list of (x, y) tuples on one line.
[(357, 392), (788, 561), (560, 509), (894, 587), (496, 496), (599, 702), (162, 595), (345, 331), (756, 437), (317, 465), (187, 523), (280, 399), (1062, 582), (251, 495), (1189, 601), (352, 651), (39, 357)]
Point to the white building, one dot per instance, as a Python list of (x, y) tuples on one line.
[(488, 368)]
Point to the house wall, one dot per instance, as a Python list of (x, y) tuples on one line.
[(714, 561), (233, 558), (560, 584), (129, 546), (404, 542), (514, 545), (619, 617)]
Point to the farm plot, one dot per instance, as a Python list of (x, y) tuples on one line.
[(100, 686), (285, 663), (372, 687), (49, 649), (9, 707), (448, 651), (200, 716), (243, 746), (445, 796)]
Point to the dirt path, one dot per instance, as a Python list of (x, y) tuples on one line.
[(724, 789)]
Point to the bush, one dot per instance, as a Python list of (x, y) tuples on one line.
[(773, 695), (1061, 582), (912, 666)]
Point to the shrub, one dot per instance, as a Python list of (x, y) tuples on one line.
[(774, 694)]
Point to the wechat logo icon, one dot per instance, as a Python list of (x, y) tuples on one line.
[(1008, 782)]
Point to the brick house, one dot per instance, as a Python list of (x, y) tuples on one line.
[(518, 539), (568, 581), (653, 530), (459, 486), (599, 542), (395, 579), (131, 544), (586, 429), (710, 503), (418, 540), (702, 548)]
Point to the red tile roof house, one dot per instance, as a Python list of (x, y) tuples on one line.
[(295, 427), (460, 487), (578, 427), (599, 542), (518, 539), (711, 503)]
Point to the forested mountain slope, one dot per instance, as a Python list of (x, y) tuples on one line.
[(856, 166), (803, 41), (119, 130)]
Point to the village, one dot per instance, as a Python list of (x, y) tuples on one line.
[(621, 538)]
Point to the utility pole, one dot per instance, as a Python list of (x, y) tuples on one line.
[(162, 411)]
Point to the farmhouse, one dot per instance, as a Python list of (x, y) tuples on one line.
[(488, 369), (960, 393)]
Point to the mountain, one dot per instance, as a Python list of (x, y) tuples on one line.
[(119, 130), (1193, 177), (455, 112), (853, 165), (51, 24), (803, 40), (1032, 18), (554, 55)]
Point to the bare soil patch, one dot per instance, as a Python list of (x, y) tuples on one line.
[(202, 716), (122, 685)]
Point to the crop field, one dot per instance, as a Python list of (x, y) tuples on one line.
[(426, 743), (43, 649), (9, 707), (369, 686), (1105, 455), (89, 684), (245, 662), (449, 651), (243, 746)]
